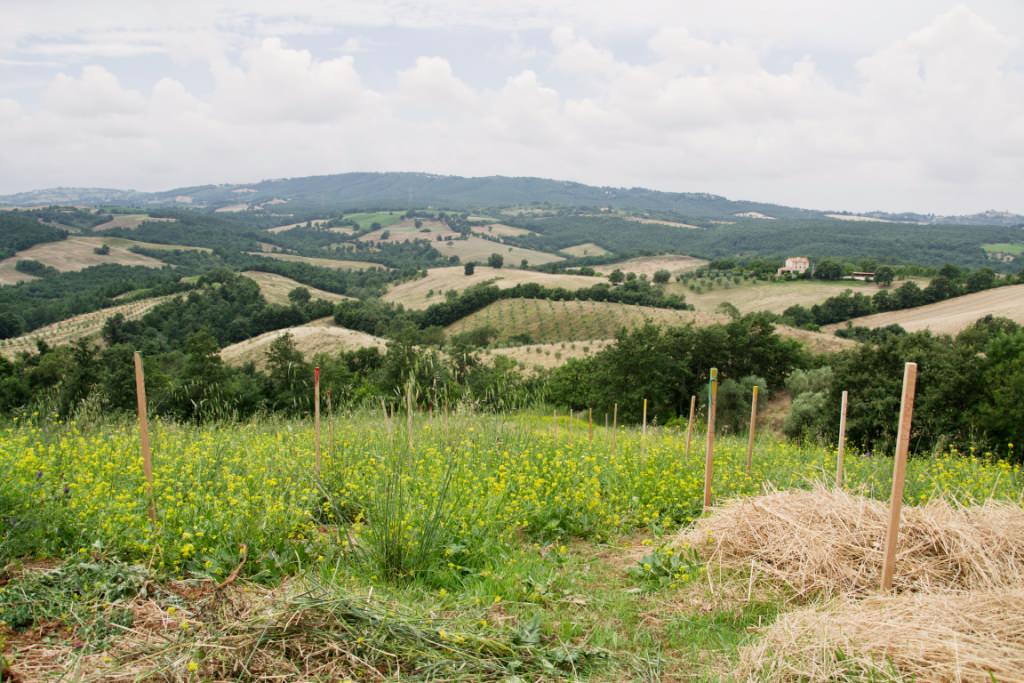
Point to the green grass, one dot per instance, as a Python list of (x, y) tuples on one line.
[(1004, 248), (366, 219)]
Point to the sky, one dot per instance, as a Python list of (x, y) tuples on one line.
[(915, 105)]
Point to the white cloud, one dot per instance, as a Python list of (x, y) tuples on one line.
[(930, 120), (274, 83), (95, 93)]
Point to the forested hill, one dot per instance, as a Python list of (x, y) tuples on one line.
[(411, 190), (404, 190)]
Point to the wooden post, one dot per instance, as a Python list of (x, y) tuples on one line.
[(709, 448), (147, 456), (615, 425), (842, 441), (689, 425), (554, 416), (899, 471), (753, 430), (316, 417), (644, 428), (590, 423), (408, 413)]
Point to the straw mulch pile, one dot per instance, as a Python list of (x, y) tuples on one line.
[(968, 637), (827, 543)]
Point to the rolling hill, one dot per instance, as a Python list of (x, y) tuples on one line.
[(952, 315)]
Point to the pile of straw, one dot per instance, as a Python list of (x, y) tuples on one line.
[(967, 637), (829, 543)]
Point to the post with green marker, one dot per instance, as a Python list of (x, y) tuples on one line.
[(709, 453)]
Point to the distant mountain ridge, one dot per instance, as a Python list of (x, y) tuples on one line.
[(415, 190)]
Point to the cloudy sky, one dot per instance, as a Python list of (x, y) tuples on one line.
[(874, 104)]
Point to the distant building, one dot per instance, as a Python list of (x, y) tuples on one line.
[(863, 276), (797, 265)]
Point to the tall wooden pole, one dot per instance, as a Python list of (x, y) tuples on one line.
[(689, 425), (709, 448), (644, 429), (842, 441), (615, 424), (753, 429), (316, 417), (408, 414), (899, 471), (147, 456)]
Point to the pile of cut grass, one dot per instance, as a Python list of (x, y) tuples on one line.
[(968, 637), (828, 543)]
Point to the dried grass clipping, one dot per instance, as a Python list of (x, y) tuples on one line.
[(827, 542), (968, 637)]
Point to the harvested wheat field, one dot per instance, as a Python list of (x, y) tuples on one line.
[(129, 221), (952, 315), (775, 297), (659, 221), (275, 288), (500, 230), (320, 336), (74, 253), (649, 265), (124, 243), (337, 264), (291, 226), (585, 249), (431, 289), (828, 543), (79, 327), (966, 637), (478, 249)]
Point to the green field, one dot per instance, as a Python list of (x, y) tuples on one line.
[(366, 219), (469, 548), (1004, 248)]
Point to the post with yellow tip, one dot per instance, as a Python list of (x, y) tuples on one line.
[(644, 428), (147, 456), (899, 471), (709, 449), (842, 441), (753, 430)]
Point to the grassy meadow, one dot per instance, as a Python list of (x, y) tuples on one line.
[(481, 547)]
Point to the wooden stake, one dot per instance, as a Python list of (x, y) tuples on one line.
[(147, 456), (689, 425), (709, 448), (615, 424), (590, 423), (753, 430), (842, 442), (644, 429), (899, 471), (316, 417), (408, 413)]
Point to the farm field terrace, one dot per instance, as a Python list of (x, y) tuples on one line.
[(478, 529)]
